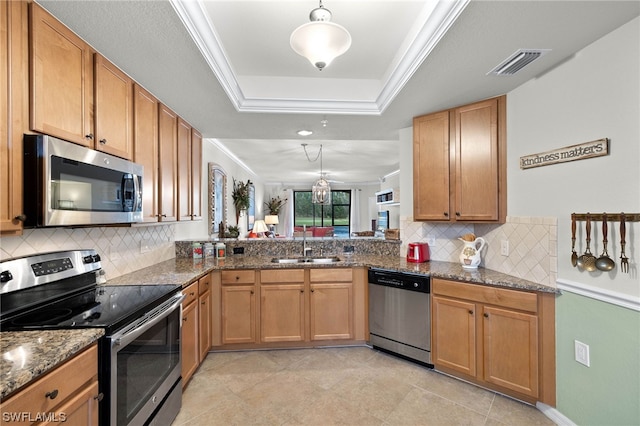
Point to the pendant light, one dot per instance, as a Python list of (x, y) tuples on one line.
[(320, 41), (320, 190)]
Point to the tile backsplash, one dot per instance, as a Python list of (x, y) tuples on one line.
[(532, 244), (122, 249)]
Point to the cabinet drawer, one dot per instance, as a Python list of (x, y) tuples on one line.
[(238, 277), (282, 276), (331, 275), (64, 381), (190, 293), (204, 284), (490, 295)]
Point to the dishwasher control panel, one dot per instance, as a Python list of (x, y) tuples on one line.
[(402, 280)]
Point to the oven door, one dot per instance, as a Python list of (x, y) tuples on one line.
[(145, 365)]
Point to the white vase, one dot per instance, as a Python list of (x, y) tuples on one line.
[(470, 254)]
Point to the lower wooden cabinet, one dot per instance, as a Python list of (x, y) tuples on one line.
[(238, 307), (331, 304), (499, 338), (196, 326), (282, 305), (68, 394)]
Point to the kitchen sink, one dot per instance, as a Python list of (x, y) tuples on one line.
[(321, 259)]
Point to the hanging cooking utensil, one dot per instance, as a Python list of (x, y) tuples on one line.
[(574, 255), (604, 262), (588, 261), (624, 260)]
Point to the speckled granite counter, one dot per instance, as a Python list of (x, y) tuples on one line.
[(183, 270), (26, 355)]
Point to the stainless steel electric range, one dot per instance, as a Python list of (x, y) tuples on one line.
[(139, 356)]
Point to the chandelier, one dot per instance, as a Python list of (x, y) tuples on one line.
[(320, 190), (320, 41)]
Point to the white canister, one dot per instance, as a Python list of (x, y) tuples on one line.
[(196, 251)]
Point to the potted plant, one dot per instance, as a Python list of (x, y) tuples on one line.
[(232, 232), (240, 196), (275, 204)]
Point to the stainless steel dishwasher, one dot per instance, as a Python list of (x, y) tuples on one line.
[(400, 314)]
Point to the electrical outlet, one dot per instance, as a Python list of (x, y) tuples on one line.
[(504, 247), (431, 240), (582, 353)]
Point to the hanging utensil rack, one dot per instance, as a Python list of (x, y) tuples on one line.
[(611, 217)]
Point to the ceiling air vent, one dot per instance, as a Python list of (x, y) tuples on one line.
[(517, 61)]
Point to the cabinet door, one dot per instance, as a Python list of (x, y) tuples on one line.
[(80, 410), (431, 158), (511, 350), (184, 170), (114, 109), (145, 139), (61, 80), (189, 344), (168, 157), (238, 314), (454, 335), (196, 175), (331, 311), (14, 78), (476, 150), (204, 342), (282, 313)]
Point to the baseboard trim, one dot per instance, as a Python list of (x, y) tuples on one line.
[(554, 415)]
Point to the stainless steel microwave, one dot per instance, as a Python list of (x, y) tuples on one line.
[(66, 184)]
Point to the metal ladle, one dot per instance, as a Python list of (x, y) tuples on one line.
[(604, 262), (587, 261)]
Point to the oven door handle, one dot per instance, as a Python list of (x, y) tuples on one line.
[(150, 319)]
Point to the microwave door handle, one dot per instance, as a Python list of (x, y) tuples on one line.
[(138, 195), (151, 319)]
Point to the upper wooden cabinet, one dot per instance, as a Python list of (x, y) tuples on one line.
[(168, 161), (189, 172), (14, 110), (61, 80), (196, 175), (145, 138), (113, 109), (459, 163)]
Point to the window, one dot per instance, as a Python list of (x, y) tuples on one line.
[(336, 214)]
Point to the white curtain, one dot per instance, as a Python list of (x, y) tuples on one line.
[(287, 220), (354, 217)]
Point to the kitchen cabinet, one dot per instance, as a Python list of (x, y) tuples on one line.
[(113, 109), (69, 393), (167, 164), (459, 163), (204, 316), (239, 310), (494, 337), (145, 139), (14, 109), (331, 304), (282, 305), (189, 172), (189, 341)]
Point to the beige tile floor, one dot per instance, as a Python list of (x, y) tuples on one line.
[(349, 386)]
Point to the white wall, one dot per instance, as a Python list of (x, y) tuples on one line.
[(596, 94)]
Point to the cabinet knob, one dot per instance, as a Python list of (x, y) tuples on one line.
[(184, 319), (312, 290), (192, 293), (470, 312), (446, 214), (251, 291), (89, 136), (99, 397), (103, 141), (458, 214), (52, 395), (486, 315), (301, 291), (204, 302), (21, 217)]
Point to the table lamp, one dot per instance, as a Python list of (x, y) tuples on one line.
[(271, 220), (259, 227)]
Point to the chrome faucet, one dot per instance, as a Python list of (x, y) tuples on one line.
[(305, 249)]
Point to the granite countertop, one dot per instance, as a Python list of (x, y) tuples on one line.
[(185, 270), (27, 355)]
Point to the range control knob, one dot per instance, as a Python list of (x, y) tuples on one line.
[(5, 276), (96, 258), (87, 259)]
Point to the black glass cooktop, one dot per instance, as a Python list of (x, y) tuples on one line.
[(109, 307)]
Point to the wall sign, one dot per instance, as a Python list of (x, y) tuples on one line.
[(582, 151)]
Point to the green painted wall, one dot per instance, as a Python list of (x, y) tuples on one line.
[(607, 392)]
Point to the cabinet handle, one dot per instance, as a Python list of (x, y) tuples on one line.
[(458, 214), (312, 290), (204, 302), (446, 214), (103, 141), (52, 395), (470, 312), (89, 136), (251, 291), (191, 294), (184, 319), (486, 315), (21, 217), (301, 291), (99, 397)]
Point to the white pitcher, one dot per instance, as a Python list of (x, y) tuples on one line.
[(470, 255)]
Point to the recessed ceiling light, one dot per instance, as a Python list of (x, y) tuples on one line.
[(305, 132)]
